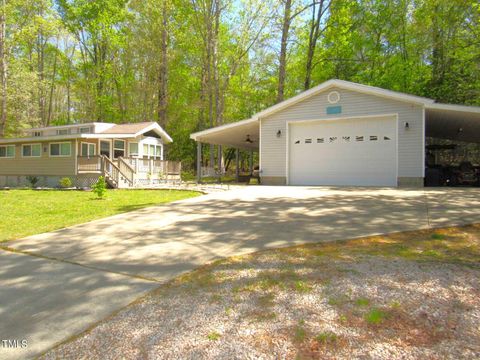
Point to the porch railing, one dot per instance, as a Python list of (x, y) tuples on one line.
[(89, 163)]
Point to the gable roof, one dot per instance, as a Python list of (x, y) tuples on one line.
[(347, 85), (137, 129)]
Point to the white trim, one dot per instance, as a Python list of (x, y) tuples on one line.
[(452, 107), (59, 149), (125, 149), (198, 134), (6, 157), (138, 148), (88, 149), (160, 131), (347, 85), (423, 142), (31, 156), (110, 145), (395, 116), (260, 171), (75, 156), (337, 94)]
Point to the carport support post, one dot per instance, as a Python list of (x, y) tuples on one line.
[(199, 162), (251, 162), (237, 170)]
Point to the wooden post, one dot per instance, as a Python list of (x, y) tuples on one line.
[(199, 162), (237, 169)]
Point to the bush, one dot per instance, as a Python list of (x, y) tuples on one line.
[(33, 180), (65, 182), (100, 187)]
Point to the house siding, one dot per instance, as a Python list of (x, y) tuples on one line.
[(410, 141), (36, 166)]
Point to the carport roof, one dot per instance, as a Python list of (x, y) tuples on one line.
[(456, 122)]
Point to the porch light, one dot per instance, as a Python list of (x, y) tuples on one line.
[(460, 130), (407, 125), (248, 140), (279, 133)]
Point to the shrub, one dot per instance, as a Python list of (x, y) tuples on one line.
[(100, 187), (33, 180), (65, 182)]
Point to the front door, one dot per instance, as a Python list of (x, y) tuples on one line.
[(105, 148)]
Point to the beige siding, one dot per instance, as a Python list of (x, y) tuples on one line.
[(43, 165), (410, 142)]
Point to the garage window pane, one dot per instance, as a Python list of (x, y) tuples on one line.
[(320, 140), (386, 138), (359, 138), (333, 138), (308, 141), (346, 138), (373, 138), (297, 142)]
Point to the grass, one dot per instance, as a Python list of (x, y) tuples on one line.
[(375, 316), (28, 212), (326, 337), (214, 336)]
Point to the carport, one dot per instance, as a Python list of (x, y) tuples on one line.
[(241, 135), (452, 141)]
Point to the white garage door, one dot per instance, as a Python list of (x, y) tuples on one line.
[(344, 152)]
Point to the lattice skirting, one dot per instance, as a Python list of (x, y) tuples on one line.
[(80, 181)]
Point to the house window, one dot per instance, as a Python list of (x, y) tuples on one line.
[(63, 132), (84, 130), (7, 151), (37, 133), (87, 149), (133, 149), (60, 149), (118, 148), (152, 151), (31, 150), (158, 151)]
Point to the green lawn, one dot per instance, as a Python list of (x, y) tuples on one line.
[(28, 212)]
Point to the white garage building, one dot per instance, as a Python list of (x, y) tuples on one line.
[(343, 133)]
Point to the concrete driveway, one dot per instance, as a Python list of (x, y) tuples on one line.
[(81, 274)]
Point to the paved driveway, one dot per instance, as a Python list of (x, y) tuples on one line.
[(81, 274)]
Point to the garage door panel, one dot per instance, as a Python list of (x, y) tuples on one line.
[(331, 153)]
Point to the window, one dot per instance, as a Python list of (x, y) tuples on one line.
[(358, 138), (7, 151), (133, 149), (32, 150), (346, 138), (87, 149), (37, 133), (63, 132), (118, 148), (373, 138), (308, 141), (152, 151), (60, 149), (320, 140), (84, 130)]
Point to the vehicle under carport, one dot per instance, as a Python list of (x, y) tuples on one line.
[(452, 151)]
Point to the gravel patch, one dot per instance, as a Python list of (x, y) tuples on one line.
[(269, 308)]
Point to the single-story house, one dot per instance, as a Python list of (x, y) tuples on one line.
[(344, 133), (126, 155)]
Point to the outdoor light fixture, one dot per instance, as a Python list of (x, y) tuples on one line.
[(407, 125), (279, 133), (248, 140), (460, 130)]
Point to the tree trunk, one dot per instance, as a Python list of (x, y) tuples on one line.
[(283, 50), (3, 71), (163, 73), (52, 87), (312, 40)]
